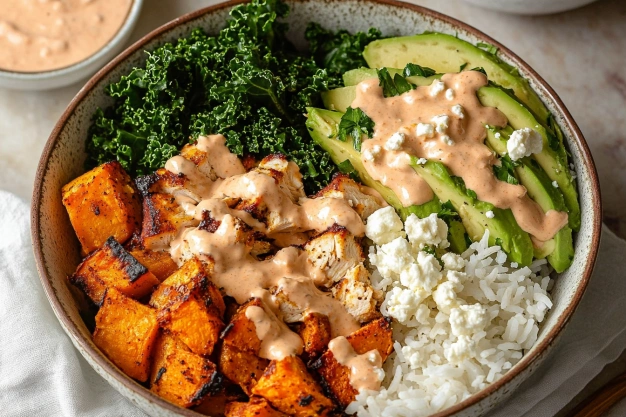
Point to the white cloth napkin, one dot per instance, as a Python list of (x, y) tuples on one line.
[(41, 374)]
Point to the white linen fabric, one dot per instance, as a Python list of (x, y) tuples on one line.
[(41, 374)]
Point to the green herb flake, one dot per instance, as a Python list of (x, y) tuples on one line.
[(458, 181), (506, 170), (493, 50), (462, 67), (448, 212), (393, 86), (355, 123), (411, 70), (346, 167)]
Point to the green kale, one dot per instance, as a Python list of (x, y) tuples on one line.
[(247, 83), (393, 86), (346, 167), (340, 51), (506, 170), (414, 69), (355, 123)]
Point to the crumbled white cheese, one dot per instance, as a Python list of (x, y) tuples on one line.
[(430, 230), (402, 303), (422, 161), (457, 109), (436, 87), (445, 297), (490, 214), (384, 225), (468, 319), (452, 261), (449, 94), (441, 122), (464, 348), (394, 256), (555, 184), (425, 129), (514, 264), (524, 142), (425, 273), (368, 155), (408, 98), (498, 135), (447, 140), (376, 149), (395, 141)]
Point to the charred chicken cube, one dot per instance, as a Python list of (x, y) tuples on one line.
[(181, 376), (191, 308), (126, 331), (163, 217), (315, 333), (289, 388), (286, 173), (376, 335), (256, 407), (342, 186), (113, 267), (357, 295), (335, 252), (102, 203), (166, 182), (241, 367)]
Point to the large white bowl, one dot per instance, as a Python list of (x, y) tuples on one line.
[(47, 80), (57, 250), (530, 7)]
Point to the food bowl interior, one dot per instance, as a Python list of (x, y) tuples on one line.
[(57, 249)]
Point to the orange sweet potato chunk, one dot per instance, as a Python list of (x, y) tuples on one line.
[(191, 307), (315, 333), (241, 331), (181, 376), (288, 386), (159, 263), (126, 332), (374, 335), (241, 367), (113, 267), (102, 203), (256, 407)]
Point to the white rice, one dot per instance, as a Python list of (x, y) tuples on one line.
[(516, 301)]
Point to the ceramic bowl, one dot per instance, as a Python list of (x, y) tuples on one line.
[(47, 80), (57, 249), (530, 7)]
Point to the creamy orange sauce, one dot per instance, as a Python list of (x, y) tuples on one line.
[(42, 35), (286, 283), (364, 369), (457, 142)]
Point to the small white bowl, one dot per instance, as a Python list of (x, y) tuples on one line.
[(530, 7), (47, 80)]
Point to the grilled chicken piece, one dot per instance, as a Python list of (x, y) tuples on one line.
[(200, 160), (126, 331), (113, 267), (335, 251), (102, 203), (181, 376), (287, 175), (289, 388), (375, 335), (256, 407), (166, 182), (357, 295), (342, 186), (163, 217)]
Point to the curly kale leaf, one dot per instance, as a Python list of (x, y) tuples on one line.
[(339, 51), (247, 83)]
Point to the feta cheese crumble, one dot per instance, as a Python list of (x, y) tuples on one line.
[(436, 87), (368, 155), (524, 142), (555, 184), (422, 161), (490, 214), (430, 230), (447, 140), (441, 122), (384, 225), (449, 94), (457, 109), (395, 141), (425, 129)]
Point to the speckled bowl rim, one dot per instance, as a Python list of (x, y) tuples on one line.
[(130, 384)]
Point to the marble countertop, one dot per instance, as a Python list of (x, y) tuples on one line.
[(581, 54)]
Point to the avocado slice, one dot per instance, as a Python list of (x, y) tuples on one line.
[(503, 229), (553, 162), (355, 76), (322, 126), (456, 236), (560, 249), (447, 53)]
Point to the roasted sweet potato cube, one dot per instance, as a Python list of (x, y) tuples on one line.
[(215, 405), (126, 332), (315, 333), (102, 203), (241, 331), (288, 386), (193, 274), (375, 335), (160, 263), (256, 407), (191, 307), (163, 217), (180, 376), (242, 368), (113, 267)]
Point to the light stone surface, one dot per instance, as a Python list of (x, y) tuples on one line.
[(581, 54)]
